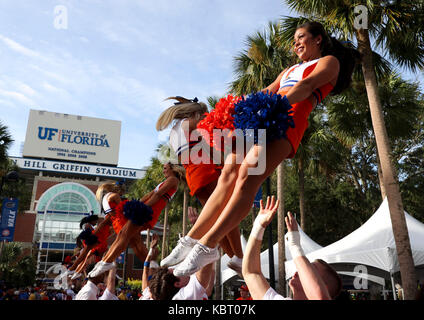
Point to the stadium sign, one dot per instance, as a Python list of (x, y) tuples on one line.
[(76, 168), (60, 136)]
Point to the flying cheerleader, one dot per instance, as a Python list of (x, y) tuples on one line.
[(137, 215), (282, 110), (202, 177)]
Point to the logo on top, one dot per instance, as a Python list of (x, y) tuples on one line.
[(71, 136)]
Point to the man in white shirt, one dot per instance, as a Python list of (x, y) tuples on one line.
[(165, 286), (312, 281), (91, 290)]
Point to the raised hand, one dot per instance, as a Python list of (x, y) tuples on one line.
[(266, 214), (291, 222), (155, 240)]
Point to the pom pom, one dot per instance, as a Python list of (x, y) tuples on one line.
[(263, 111), (118, 218), (222, 117), (138, 212)]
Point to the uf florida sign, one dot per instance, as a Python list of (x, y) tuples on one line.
[(74, 138)]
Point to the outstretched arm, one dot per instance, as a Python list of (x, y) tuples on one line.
[(171, 182), (147, 196), (251, 269), (111, 280), (326, 70), (312, 283), (151, 256)]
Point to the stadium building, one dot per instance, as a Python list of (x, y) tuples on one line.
[(64, 159)]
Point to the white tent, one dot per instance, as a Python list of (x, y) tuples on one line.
[(372, 244), (308, 245)]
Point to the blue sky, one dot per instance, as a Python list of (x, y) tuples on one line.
[(119, 59)]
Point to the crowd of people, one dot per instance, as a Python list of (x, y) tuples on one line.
[(35, 293)]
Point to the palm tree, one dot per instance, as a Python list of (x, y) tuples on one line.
[(16, 269), (397, 28), (350, 118), (5, 142)]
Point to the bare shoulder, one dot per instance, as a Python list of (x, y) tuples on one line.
[(173, 181), (114, 197), (329, 61)]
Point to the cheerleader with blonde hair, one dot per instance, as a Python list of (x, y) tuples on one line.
[(202, 179), (139, 214)]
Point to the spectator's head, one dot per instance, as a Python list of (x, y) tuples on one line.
[(328, 274), (164, 285)]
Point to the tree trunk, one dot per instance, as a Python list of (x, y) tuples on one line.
[(400, 230), (185, 210), (380, 179), (281, 288), (301, 174), (165, 234)]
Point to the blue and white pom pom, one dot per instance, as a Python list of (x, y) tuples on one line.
[(138, 212), (263, 111)]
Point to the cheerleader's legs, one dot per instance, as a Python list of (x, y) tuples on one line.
[(218, 199), (213, 200), (128, 231), (81, 257), (82, 265), (140, 250), (245, 190)]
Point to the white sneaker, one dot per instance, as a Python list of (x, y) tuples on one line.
[(100, 268), (76, 275), (236, 264), (198, 257), (180, 252)]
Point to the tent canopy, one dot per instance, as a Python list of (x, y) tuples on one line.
[(372, 244)]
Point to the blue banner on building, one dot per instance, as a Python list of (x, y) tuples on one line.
[(121, 258), (8, 219)]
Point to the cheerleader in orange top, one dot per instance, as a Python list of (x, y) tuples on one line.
[(282, 109), (201, 176), (141, 215), (96, 241)]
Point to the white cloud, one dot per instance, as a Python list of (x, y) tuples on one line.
[(18, 97)]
